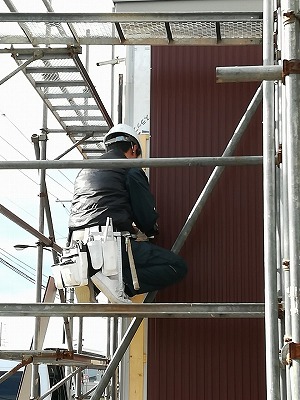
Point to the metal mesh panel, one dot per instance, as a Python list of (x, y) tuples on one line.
[(241, 30), (142, 30), (193, 30), (49, 30)]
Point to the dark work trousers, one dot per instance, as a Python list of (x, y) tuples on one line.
[(156, 267)]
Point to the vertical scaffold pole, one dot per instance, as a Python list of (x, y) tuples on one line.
[(292, 83), (270, 255), (284, 215), (38, 296)]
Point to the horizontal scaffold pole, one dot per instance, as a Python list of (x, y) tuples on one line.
[(130, 17), (117, 163), (152, 310), (251, 73)]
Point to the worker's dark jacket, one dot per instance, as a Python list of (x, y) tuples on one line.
[(121, 193)]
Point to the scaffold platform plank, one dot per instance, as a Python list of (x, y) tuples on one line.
[(184, 28)]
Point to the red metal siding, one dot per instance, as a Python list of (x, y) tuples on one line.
[(191, 115)]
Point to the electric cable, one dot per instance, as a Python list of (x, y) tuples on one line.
[(17, 261), (19, 130), (19, 272)]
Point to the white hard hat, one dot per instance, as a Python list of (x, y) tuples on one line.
[(121, 133)]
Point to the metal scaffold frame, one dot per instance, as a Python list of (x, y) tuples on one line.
[(280, 93)]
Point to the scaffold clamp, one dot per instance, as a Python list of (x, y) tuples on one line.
[(290, 67), (289, 352)]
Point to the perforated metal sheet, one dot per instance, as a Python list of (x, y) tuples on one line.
[(130, 28)]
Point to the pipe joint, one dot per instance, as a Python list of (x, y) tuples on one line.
[(286, 265), (290, 67), (289, 352), (278, 157), (290, 17), (280, 309)]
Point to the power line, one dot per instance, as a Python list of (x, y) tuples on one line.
[(20, 268), (5, 116), (19, 130), (19, 272), (49, 176), (18, 261)]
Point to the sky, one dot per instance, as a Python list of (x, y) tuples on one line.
[(21, 116)]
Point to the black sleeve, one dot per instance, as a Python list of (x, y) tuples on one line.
[(142, 201)]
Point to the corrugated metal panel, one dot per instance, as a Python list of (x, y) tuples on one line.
[(191, 115)]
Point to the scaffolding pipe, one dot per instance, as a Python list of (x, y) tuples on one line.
[(285, 251), (36, 144), (79, 350), (255, 73), (92, 89), (114, 380), (15, 369), (279, 230), (217, 172), (66, 322), (147, 310), (112, 74), (131, 17), (36, 56), (279, 195), (39, 276), (285, 245), (292, 42), (79, 142), (54, 255), (271, 301), (108, 350), (149, 162), (44, 239)]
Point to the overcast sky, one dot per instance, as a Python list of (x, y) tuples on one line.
[(20, 117)]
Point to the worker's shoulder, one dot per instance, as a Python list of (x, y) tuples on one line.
[(137, 173)]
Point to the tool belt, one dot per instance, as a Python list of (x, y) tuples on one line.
[(104, 248), (72, 269)]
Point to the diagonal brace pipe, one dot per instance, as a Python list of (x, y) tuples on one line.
[(37, 55), (133, 327)]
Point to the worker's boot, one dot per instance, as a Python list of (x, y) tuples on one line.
[(110, 287)]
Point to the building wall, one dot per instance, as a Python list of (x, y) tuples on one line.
[(191, 115)]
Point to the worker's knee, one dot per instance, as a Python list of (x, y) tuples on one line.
[(180, 267)]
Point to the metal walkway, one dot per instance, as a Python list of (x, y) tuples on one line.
[(75, 29), (59, 77)]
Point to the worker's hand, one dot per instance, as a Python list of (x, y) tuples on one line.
[(141, 237)]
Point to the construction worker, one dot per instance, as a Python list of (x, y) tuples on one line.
[(123, 195)]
